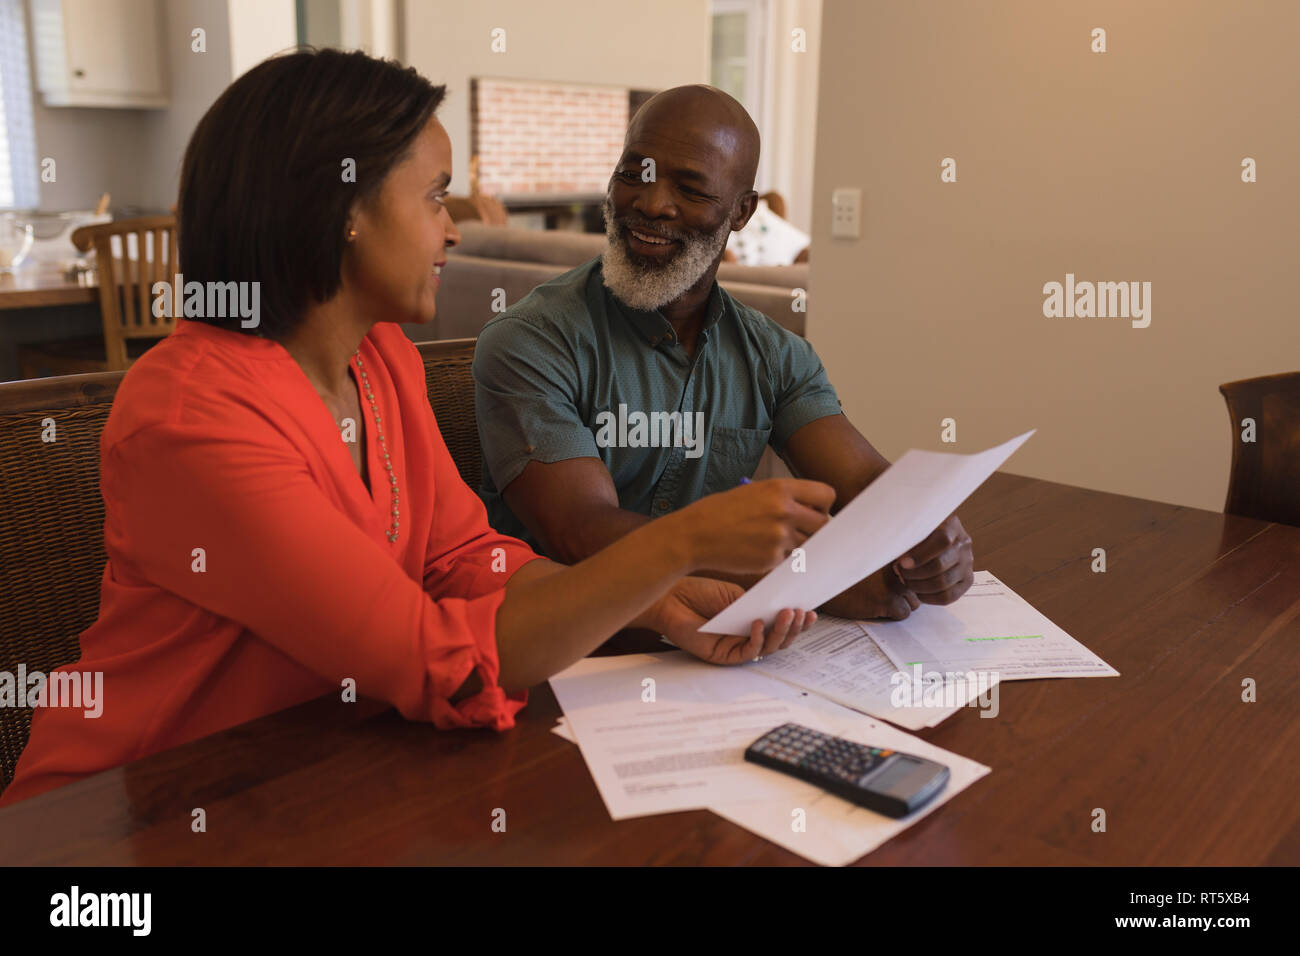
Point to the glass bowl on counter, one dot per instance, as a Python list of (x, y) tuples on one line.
[(17, 237), (52, 237)]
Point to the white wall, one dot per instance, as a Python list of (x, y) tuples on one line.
[(239, 35), (259, 29), (197, 79), (94, 151), (1116, 166), (369, 25), (619, 42)]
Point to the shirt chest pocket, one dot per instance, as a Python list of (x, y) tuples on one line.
[(734, 453)]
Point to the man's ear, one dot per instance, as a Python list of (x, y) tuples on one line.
[(745, 207)]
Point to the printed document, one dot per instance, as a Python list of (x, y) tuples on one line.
[(892, 515), (802, 818), (667, 732), (839, 660), (989, 629)]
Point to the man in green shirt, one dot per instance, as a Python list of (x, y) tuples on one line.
[(634, 384)]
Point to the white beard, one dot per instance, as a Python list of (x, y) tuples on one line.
[(647, 287)]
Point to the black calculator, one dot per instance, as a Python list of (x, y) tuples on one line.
[(886, 781)]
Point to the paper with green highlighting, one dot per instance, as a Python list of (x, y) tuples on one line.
[(989, 629)]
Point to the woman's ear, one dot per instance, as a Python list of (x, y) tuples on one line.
[(355, 223)]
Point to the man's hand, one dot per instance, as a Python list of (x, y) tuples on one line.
[(679, 614), (882, 595), (941, 568)]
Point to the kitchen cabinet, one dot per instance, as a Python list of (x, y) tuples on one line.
[(100, 53)]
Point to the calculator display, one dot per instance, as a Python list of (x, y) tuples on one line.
[(883, 780), (903, 774)]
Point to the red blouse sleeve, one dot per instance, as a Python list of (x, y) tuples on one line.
[(467, 559), (279, 558)]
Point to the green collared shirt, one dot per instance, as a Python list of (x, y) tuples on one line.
[(571, 372)]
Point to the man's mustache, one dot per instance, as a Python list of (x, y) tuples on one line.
[(642, 226)]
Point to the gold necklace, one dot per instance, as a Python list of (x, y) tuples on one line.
[(391, 533)]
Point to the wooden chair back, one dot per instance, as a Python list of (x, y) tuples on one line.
[(125, 284), (1265, 478), (449, 378), (775, 202)]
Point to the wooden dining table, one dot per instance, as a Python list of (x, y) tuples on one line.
[(39, 285), (1191, 752), (43, 284)]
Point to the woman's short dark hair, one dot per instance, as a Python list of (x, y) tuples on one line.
[(265, 190)]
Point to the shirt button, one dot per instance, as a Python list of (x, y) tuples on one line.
[(529, 449), (661, 506)]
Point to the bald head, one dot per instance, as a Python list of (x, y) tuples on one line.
[(684, 183), (702, 119)]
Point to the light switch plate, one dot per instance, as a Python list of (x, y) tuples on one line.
[(846, 213)]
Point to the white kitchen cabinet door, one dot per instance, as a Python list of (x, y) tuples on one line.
[(100, 52)]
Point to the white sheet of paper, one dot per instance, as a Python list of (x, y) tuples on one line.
[(991, 628), (836, 832), (892, 515), (839, 660), (685, 749)]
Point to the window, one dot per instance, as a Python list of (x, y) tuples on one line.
[(18, 188), (736, 65)]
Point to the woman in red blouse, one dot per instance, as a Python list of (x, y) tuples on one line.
[(261, 549)]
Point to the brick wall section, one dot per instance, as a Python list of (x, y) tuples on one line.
[(535, 138)]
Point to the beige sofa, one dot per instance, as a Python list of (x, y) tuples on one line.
[(517, 260)]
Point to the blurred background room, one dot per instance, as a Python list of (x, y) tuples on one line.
[(990, 149), (101, 97)]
